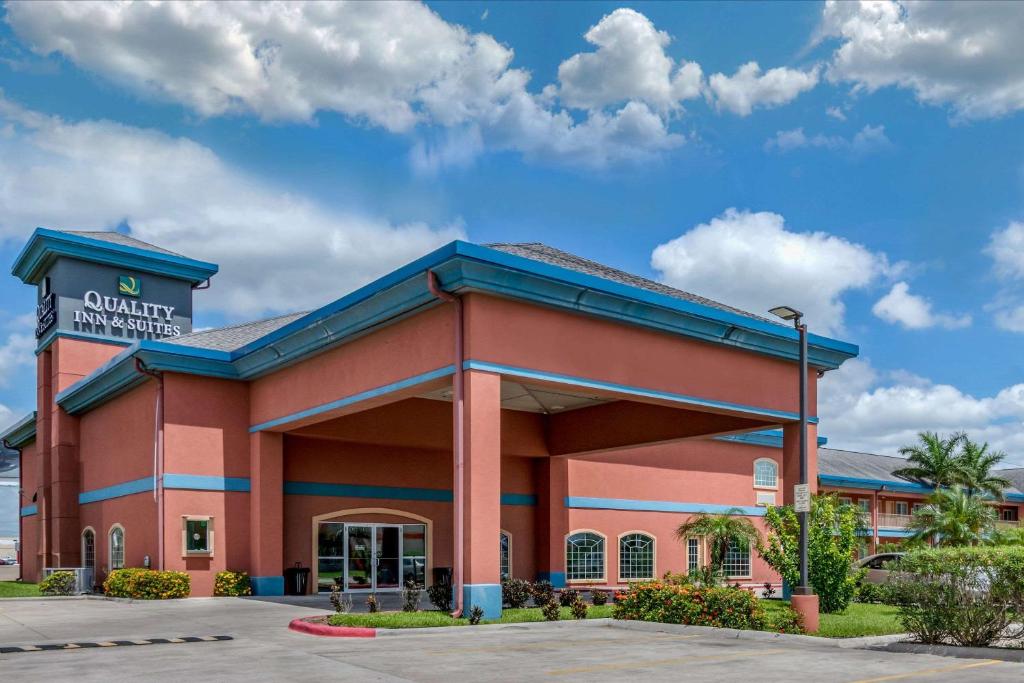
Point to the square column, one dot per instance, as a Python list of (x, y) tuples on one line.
[(482, 493), (266, 513), (552, 519), (791, 459)]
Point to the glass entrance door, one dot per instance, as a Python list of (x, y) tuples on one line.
[(359, 568), (388, 558)]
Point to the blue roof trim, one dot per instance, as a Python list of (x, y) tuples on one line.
[(463, 267), (872, 484), (901, 533), (45, 245), (764, 437), (356, 398), (583, 502), (626, 389), (21, 432), (29, 510)]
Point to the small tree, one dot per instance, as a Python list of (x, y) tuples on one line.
[(977, 465), (934, 459), (953, 517), (721, 532), (831, 542)]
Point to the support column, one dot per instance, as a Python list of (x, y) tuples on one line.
[(266, 513), (552, 519), (482, 494), (791, 459)]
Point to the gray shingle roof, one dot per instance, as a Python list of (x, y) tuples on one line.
[(121, 239), (557, 257), (235, 336), (839, 463)]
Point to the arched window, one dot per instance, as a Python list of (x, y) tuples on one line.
[(89, 548), (766, 474), (584, 556), (116, 547), (506, 555), (636, 556)]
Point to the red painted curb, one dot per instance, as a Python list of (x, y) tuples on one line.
[(317, 629)]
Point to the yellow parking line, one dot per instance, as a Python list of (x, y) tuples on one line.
[(650, 663), (927, 672)]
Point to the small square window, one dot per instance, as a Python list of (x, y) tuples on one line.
[(197, 536)]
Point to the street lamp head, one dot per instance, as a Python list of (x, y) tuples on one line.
[(786, 313)]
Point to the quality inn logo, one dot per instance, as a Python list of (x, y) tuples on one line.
[(129, 286)]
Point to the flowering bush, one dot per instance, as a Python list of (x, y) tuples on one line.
[(692, 605), (231, 584), (786, 620), (147, 584), (58, 583), (515, 592)]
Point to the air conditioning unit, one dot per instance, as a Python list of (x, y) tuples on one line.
[(83, 577), (765, 498)]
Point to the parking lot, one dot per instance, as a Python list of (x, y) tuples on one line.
[(263, 649)]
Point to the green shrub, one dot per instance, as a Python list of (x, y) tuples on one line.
[(551, 610), (692, 605), (475, 615), (567, 596), (411, 596), (515, 592), (542, 593), (147, 584), (598, 598), (58, 583), (440, 595), (786, 620), (231, 584), (579, 609), (963, 596)]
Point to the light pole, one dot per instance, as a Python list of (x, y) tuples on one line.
[(789, 313)]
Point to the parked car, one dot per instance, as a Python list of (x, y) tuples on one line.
[(878, 566)]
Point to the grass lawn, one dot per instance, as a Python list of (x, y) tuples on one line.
[(425, 619), (17, 589), (859, 619)]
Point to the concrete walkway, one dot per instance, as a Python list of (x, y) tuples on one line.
[(263, 649)]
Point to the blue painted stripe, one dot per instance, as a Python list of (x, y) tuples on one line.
[(356, 398), (518, 499), (582, 502), (202, 482), (29, 510), (902, 533), (312, 488), (626, 389), (764, 437), (116, 491)]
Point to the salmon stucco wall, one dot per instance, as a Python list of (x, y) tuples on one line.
[(137, 515), (229, 516), (116, 439), (30, 569), (206, 428)]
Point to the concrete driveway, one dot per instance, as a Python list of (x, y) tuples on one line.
[(263, 649)]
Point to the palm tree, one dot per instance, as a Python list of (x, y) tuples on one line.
[(976, 465), (952, 517), (721, 532), (934, 460)]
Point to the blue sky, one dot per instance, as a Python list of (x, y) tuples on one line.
[(862, 171)]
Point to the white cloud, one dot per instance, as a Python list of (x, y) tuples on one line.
[(630, 64), (1006, 249), (16, 352), (278, 251), (395, 65), (748, 88), (7, 417), (914, 312), (750, 260), (864, 409), (867, 140), (836, 113), (967, 55)]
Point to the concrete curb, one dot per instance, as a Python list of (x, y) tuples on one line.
[(1004, 654), (761, 636), (328, 631)]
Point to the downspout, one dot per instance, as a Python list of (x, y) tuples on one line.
[(19, 554), (158, 457), (458, 439)]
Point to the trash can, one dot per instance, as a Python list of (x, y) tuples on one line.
[(442, 575), (296, 580)]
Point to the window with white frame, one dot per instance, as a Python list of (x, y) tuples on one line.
[(116, 548), (737, 560), (89, 548), (506, 555), (900, 508), (845, 500), (692, 554), (196, 535), (864, 504), (584, 557), (766, 474), (636, 557)]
